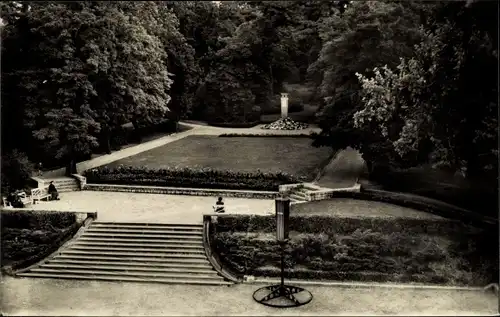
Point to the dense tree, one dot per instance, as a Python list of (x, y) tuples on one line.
[(366, 35), (93, 67), (441, 105)]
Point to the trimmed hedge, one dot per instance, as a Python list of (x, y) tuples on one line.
[(363, 252), (236, 125), (329, 225), (187, 177), (28, 237), (235, 135)]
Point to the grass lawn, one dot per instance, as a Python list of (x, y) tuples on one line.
[(240, 154)]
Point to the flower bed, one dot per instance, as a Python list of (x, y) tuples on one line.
[(29, 236), (285, 124), (186, 177), (376, 250)]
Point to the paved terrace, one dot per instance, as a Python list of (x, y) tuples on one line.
[(151, 208), (157, 208), (52, 297)]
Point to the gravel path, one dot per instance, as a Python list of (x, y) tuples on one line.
[(343, 170), (52, 297)]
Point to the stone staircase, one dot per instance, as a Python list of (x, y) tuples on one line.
[(63, 184), (300, 194), (133, 252)]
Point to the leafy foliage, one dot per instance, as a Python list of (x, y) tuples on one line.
[(436, 106), (16, 171), (93, 68)]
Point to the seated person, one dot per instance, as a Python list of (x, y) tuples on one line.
[(219, 205), (15, 200), (54, 195)]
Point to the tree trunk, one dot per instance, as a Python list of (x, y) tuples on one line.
[(272, 79), (71, 167)]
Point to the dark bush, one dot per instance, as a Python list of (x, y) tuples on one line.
[(16, 171), (187, 177), (27, 237), (237, 125)]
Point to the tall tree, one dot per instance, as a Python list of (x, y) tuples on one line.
[(366, 35), (441, 105), (77, 67)]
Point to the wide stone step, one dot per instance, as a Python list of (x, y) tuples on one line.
[(141, 236), (136, 264), (114, 243), (134, 259), (192, 281), (120, 268), (91, 272), (300, 194), (109, 240), (297, 197), (144, 227), (141, 249), (148, 224), (135, 254), (146, 231)]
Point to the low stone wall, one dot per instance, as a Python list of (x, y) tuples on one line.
[(182, 191), (82, 180), (331, 193)]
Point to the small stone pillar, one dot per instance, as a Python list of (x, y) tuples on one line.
[(284, 105)]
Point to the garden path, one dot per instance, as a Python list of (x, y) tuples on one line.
[(52, 297), (343, 170)]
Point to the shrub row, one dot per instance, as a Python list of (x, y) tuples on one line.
[(235, 125), (41, 220), (391, 256), (329, 225), (187, 177), (235, 135), (36, 236)]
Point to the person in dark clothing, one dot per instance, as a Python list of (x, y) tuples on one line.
[(219, 205), (54, 195)]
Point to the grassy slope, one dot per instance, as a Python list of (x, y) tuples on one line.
[(243, 154)]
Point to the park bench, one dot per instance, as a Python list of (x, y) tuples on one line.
[(40, 194)]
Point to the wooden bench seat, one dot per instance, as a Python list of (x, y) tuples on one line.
[(40, 194)]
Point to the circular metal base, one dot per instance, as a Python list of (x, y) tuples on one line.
[(282, 296)]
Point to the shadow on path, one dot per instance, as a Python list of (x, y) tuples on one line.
[(343, 170)]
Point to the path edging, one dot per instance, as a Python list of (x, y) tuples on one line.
[(364, 285)]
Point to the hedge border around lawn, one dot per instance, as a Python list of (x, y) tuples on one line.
[(235, 125), (51, 248), (190, 178), (236, 135)]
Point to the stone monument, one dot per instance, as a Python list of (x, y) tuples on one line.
[(284, 105)]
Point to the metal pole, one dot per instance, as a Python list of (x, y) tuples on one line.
[(282, 265)]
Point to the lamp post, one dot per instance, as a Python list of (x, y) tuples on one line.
[(282, 295)]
